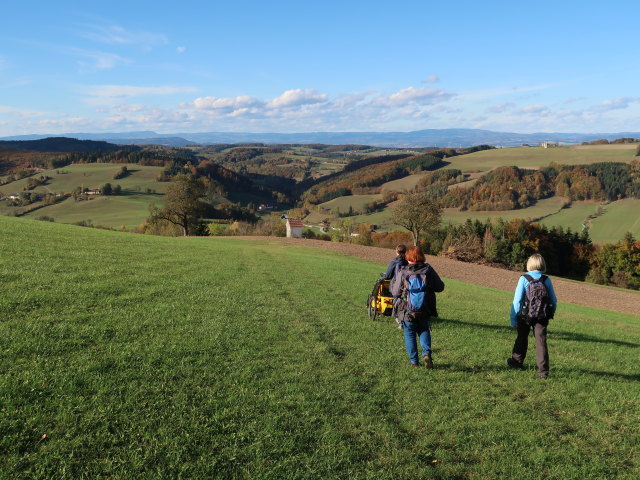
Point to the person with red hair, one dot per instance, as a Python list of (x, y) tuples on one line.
[(416, 289)]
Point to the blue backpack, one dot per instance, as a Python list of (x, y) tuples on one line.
[(415, 288)]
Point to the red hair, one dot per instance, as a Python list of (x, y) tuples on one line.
[(415, 255)]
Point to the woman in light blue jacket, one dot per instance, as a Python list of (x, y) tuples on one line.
[(525, 320)]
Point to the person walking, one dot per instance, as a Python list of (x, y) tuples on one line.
[(534, 304), (394, 265), (416, 287)]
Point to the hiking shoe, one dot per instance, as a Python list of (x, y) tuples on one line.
[(428, 361), (411, 364), (514, 364)]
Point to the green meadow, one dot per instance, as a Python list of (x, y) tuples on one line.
[(129, 209), (93, 175), (615, 219), (535, 157), (126, 356), (357, 202)]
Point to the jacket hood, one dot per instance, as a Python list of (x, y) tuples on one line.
[(418, 267)]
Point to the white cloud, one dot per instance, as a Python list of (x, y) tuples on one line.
[(297, 97), (416, 96), (431, 79), (130, 108), (19, 112), (504, 91), (98, 60), (181, 49), (222, 104), (616, 104), (536, 109), (128, 91), (501, 107), (117, 35)]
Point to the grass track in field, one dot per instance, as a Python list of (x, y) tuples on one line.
[(151, 357)]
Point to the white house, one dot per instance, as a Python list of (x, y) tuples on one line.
[(294, 228)]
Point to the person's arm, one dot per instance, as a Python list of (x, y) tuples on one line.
[(516, 305), (396, 285), (388, 275), (552, 295), (434, 282)]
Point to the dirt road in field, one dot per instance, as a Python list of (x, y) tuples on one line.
[(567, 291)]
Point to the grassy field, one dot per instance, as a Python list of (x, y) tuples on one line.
[(617, 218), (407, 183), (140, 189), (542, 207), (127, 210), (357, 202), (93, 175), (126, 356), (540, 157), (620, 217)]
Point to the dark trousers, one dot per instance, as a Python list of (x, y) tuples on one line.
[(522, 343)]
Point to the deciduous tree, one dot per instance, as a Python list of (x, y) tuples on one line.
[(184, 206), (417, 213)]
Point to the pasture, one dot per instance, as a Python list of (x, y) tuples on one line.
[(609, 226), (546, 206), (356, 202), (535, 157), (126, 356), (93, 175), (128, 210)]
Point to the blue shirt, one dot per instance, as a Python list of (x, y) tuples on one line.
[(522, 288)]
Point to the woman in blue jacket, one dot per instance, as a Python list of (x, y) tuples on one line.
[(535, 270)]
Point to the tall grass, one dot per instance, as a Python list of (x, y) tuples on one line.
[(126, 356)]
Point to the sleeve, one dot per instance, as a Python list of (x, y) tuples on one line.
[(434, 281), (388, 275), (552, 294), (396, 285), (516, 305)]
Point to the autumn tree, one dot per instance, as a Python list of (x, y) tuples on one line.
[(183, 203), (418, 213)]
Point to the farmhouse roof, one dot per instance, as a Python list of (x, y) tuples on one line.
[(295, 222)]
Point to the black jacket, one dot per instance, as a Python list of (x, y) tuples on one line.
[(434, 284), (391, 269)]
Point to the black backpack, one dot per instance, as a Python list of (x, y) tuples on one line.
[(536, 307)]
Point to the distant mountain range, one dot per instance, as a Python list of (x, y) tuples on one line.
[(454, 137)]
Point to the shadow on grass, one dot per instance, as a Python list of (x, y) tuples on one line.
[(624, 376), (133, 193), (576, 337)]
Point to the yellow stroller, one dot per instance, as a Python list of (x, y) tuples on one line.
[(380, 301)]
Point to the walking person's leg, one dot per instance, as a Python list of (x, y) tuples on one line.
[(542, 353), (424, 332), (410, 342), (519, 352)]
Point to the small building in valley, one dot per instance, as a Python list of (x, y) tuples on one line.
[(294, 228)]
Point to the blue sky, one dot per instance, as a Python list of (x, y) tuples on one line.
[(283, 66)]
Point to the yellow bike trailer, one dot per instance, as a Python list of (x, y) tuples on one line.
[(380, 301)]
